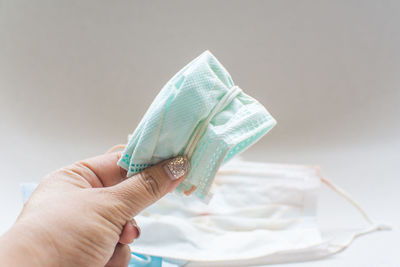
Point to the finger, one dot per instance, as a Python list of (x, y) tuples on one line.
[(130, 232), (115, 148), (120, 257), (151, 184), (101, 171)]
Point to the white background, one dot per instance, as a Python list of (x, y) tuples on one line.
[(76, 77)]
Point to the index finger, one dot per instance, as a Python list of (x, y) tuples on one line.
[(104, 169)]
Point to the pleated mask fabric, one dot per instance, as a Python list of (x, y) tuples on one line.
[(202, 114)]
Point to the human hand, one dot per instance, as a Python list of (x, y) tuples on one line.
[(81, 215)]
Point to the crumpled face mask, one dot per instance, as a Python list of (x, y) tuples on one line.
[(202, 114)]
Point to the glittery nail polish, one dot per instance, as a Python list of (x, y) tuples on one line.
[(177, 167)]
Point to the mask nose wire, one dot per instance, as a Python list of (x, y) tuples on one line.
[(225, 100)]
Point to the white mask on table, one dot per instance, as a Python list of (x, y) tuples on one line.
[(260, 214)]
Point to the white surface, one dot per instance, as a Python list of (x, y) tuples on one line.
[(76, 77)]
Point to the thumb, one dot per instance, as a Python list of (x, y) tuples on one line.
[(148, 186)]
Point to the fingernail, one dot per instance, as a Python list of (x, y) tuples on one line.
[(136, 226), (177, 167)]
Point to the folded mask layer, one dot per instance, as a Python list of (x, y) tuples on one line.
[(202, 114)]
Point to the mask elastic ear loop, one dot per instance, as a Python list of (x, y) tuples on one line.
[(337, 247), (346, 196), (226, 99), (342, 193)]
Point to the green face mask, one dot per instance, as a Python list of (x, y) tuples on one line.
[(199, 113)]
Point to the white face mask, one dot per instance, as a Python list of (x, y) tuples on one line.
[(260, 214)]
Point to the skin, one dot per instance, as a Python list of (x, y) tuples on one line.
[(81, 215)]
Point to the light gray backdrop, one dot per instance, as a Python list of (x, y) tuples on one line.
[(76, 77)]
